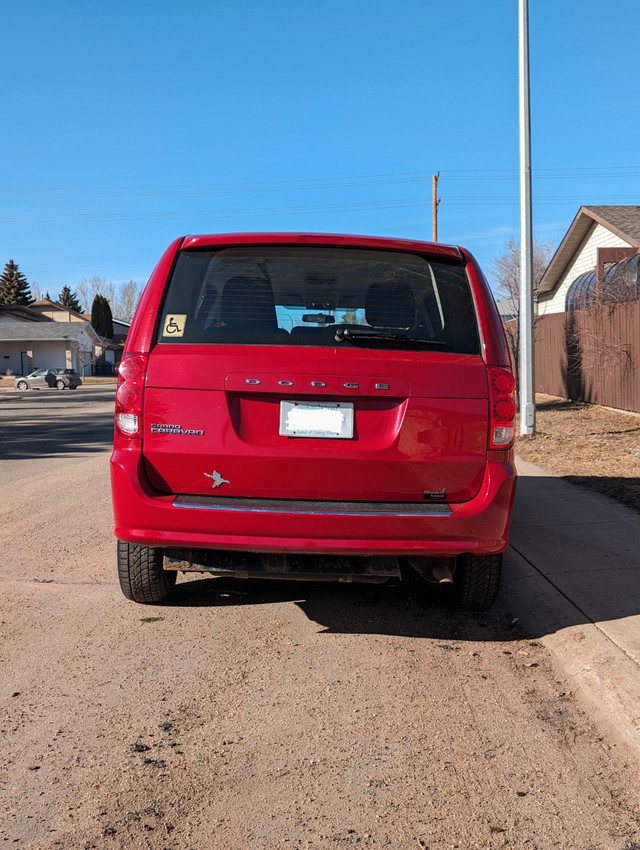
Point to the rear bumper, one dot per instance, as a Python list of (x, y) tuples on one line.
[(146, 517)]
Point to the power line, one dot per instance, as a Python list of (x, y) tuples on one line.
[(333, 182), (354, 206)]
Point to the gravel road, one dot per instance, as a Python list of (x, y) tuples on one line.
[(251, 716)]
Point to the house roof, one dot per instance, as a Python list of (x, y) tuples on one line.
[(508, 308), (23, 312), (17, 331), (624, 221)]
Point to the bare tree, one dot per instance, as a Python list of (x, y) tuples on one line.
[(84, 357), (505, 272), (122, 300), (87, 290), (36, 292), (619, 283), (127, 300)]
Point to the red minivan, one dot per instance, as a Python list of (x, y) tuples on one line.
[(317, 407)]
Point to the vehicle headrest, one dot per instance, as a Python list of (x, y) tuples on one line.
[(390, 305), (248, 302)]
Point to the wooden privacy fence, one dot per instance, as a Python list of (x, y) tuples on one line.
[(590, 355)]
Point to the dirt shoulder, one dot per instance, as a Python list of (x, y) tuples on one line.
[(595, 447)]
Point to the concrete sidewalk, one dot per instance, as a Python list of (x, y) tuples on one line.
[(572, 577)]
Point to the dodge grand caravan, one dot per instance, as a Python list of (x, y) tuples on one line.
[(315, 407)]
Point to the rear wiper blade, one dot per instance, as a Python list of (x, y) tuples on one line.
[(355, 335)]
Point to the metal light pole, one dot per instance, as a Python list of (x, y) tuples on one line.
[(527, 399)]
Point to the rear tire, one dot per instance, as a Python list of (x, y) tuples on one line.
[(476, 581), (141, 576), (60, 385)]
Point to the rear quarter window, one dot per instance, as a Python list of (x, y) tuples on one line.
[(310, 295)]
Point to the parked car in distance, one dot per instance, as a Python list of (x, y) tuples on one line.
[(36, 380), (59, 378), (313, 406), (67, 378)]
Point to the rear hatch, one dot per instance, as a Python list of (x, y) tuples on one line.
[(317, 374)]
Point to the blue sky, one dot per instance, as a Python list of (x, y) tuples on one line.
[(129, 123)]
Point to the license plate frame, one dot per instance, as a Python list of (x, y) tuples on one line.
[(325, 420)]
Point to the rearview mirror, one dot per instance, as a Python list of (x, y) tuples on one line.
[(318, 318)]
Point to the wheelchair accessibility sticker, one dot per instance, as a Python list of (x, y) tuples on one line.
[(174, 324)]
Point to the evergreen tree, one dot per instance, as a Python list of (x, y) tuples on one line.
[(14, 287), (101, 318), (69, 299)]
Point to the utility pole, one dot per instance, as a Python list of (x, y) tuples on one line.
[(436, 204), (527, 398)]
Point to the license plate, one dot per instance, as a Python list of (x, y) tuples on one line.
[(329, 420)]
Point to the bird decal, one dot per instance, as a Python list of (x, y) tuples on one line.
[(218, 480)]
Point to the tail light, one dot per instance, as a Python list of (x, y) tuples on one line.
[(131, 375), (502, 408)]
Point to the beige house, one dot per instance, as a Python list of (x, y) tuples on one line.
[(598, 237), (56, 312)]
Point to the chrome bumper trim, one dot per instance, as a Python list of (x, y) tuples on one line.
[(293, 507)]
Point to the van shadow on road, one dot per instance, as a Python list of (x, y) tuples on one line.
[(574, 560), (413, 610)]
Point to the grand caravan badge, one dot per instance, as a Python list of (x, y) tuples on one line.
[(165, 428), (174, 324)]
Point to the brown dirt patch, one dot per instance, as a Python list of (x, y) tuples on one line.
[(595, 447)]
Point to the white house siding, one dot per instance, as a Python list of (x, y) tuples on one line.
[(49, 355), (584, 261), (10, 361), (20, 358)]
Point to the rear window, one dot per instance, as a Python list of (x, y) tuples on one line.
[(319, 296)]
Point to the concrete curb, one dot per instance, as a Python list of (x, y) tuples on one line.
[(598, 672)]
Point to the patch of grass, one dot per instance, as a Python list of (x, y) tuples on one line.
[(595, 447), (95, 381)]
